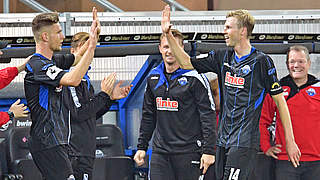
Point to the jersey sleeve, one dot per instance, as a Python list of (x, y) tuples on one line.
[(64, 61), (4, 118), (148, 122), (7, 75), (45, 72), (267, 116), (97, 106), (269, 73), (204, 102), (206, 64)]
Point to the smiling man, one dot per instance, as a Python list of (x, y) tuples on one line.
[(245, 75), (302, 93), (178, 110)]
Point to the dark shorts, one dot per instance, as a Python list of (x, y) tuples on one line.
[(54, 163), (82, 167), (175, 167), (308, 170), (235, 163)]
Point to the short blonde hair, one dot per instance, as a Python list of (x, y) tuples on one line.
[(245, 19)]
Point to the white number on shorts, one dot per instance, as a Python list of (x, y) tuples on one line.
[(234, 174)]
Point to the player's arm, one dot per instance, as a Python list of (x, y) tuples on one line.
[(182, 57), (204, 102), (291, 147), (78, 55), (147, 126), (73, 78), (266, 119)]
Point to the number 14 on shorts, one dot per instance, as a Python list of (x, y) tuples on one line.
[(234, 174)]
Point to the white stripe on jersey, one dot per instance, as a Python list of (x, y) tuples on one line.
[(204, 80)]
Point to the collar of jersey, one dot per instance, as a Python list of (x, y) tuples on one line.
[(160, 69), (41, 56), (243, 57)]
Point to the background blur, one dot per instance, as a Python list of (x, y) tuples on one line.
[(17, 6)]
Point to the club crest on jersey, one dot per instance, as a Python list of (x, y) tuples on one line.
[(245, 69), (166, 105), (234, 81), (183, 81), (311, 92)]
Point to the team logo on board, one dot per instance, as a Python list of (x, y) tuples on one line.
[(166, 105), (234, 81)]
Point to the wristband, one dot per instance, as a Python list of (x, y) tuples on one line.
[(11, 115)]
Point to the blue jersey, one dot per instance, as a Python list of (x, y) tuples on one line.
[(243, 84), (50, 119)]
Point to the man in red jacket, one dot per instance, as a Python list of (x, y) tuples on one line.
[(302, 93), (16, 110)]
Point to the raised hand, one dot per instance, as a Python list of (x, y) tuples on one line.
[(165, 20), (95, 18), (19, 110), (120, 92), (93, 36), (107, 84), (115, 92)]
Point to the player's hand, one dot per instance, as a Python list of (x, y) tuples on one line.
[(205, 161), (139, 157), (165, 20), (22, 66), (19, 110), (93, 35), (107, 84), (120, 92), (274, 151), (95, 18), (293, 153)]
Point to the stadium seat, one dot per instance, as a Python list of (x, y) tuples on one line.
[(20, 163), (111, 162)]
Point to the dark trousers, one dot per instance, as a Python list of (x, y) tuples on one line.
[(235, 163), (175, 167), (264, 168), (308, 170), (82, 167), (54, 163)]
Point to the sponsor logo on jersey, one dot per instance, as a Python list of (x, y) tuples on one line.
[(183, 81), (53, 72), (311, 92), (166, 105), (154, 77), (275, 86), (234, 81), (23, 123)]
